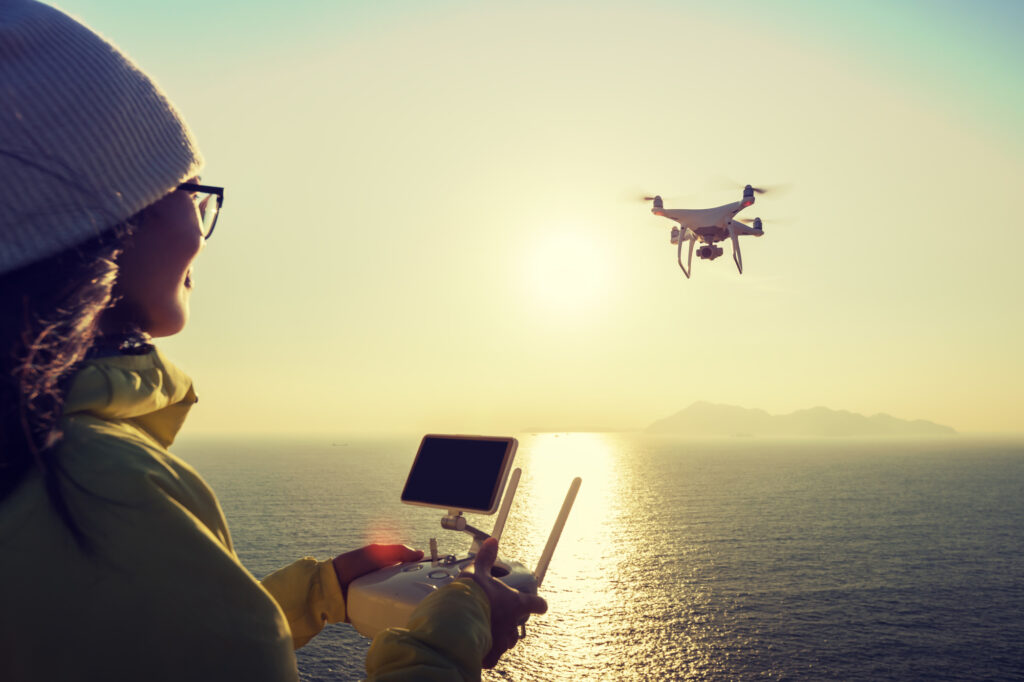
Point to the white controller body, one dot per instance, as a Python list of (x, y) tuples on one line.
[(387, 598)]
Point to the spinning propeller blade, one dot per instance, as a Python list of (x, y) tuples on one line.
[(635, 195), (732, 185), (764, 189)]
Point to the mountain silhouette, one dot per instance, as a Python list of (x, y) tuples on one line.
[(708, 419)]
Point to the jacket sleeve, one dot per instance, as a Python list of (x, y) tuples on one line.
[(446, 639), (308, 593)]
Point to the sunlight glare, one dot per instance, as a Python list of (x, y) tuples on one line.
[(555, 459), (566, 269)]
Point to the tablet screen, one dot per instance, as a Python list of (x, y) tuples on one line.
[(460, 472)]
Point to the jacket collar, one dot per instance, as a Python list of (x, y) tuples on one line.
[(146, 389)]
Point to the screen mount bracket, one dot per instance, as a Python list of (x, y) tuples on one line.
[(457, 522)]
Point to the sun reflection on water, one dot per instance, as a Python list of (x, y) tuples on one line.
[(687, 559), (608, 615)]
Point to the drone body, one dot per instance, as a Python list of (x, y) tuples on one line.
[(709, 226)]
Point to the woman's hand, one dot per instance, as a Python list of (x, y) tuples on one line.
[(359, 562), (509, 607)]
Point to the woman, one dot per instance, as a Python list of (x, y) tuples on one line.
[(115, 558)]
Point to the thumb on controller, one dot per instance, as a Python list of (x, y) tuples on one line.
[(485, 558)]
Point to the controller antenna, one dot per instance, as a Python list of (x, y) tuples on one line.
[(506, 503), (556, 532)]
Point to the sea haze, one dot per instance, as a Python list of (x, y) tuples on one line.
[(715, 559)]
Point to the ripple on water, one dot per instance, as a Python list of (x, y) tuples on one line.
[(703, 560)]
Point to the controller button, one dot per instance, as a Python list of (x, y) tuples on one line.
[(439, 574)]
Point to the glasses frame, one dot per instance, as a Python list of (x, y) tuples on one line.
[(208, 189)]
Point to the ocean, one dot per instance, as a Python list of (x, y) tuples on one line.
[(686, 559)]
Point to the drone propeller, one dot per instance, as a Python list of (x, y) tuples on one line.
[(639, 196), (731, 185), (645, 196), (774, 189), (636, 195)]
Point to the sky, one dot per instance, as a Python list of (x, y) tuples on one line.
[(433, 222)]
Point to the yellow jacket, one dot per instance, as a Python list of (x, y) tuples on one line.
[(164, 596)]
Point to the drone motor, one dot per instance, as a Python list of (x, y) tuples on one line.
[(657, 201)]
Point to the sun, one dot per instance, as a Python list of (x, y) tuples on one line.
[(565, 269)]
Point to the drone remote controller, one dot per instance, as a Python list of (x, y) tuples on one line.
[(387, 598)]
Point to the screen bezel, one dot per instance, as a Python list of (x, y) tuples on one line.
[(496, 493)]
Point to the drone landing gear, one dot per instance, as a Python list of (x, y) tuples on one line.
[(679, 253), (737, 257)]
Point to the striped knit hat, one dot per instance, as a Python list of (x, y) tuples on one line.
[(86, 139)]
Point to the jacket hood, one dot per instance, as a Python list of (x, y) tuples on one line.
[(145, 389)]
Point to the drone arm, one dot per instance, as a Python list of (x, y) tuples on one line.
[(690, 237), (738, 228)]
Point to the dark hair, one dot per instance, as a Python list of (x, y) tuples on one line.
[(51, 312)]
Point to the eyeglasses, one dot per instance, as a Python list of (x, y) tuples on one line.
[(208, 209)]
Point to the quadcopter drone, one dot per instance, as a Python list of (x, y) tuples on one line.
[(708, 226)]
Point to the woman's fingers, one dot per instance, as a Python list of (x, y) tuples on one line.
[(532, 603), (509, 607), (501, 644), (387, 555), (359, 562)]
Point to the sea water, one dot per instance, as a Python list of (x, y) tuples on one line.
[(731, 559)]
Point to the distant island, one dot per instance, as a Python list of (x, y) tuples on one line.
[(708, 419)]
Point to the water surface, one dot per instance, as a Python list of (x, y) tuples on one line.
[(687, 559)]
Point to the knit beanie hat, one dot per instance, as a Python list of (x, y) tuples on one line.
[(86, 139)]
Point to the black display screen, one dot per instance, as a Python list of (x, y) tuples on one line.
[(459, 472)]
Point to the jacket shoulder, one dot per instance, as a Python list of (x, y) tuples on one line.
[(118, 461)]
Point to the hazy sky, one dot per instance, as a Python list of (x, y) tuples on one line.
[(430, 220)]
